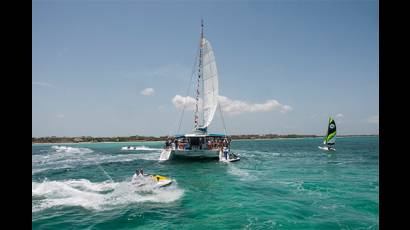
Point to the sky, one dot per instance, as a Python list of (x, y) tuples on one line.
[(120, 68)]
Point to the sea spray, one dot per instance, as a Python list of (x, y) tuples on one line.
[(97, 196), (68, 149), (62, 157), (140, 148), (105, 172)]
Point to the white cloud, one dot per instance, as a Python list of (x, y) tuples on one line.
[(180, 101), (373, 119), (44, 84), (339, 115), (147, 91), (237, 107), (60, 116), (231, 106)]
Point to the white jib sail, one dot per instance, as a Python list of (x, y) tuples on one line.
[(210, 77)]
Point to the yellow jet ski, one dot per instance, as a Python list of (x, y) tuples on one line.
[(161, 181)]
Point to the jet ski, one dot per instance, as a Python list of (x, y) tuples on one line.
[(231, 158), (155, 180), (128, 148), (161, 181)]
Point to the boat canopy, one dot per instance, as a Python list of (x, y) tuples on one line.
[(199, 135), (216, 135)]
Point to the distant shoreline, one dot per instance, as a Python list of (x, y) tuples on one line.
[(92, 140)]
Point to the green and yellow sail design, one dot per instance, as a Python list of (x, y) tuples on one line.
[(331, 133)]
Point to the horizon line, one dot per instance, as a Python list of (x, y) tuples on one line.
[(227, 135)]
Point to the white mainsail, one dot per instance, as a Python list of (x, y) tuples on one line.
[(210, 81)]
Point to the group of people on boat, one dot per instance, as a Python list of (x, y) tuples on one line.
[(177, 144), (184, 143), (219, 143)]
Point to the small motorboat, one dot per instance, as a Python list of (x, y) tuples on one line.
[(129, 148)]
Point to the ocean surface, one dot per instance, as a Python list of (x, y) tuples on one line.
[(277, 184)]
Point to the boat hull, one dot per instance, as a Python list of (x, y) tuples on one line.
[(195, 153), (327, 149)]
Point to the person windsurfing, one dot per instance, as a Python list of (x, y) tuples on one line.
[(330, 137)]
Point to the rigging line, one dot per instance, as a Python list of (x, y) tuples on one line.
[(187, 92), (202, 73), (223, 120), (106, 174)]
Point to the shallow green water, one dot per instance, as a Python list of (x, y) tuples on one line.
[(277, 184)]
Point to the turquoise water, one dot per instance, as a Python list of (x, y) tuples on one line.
[(277, 184)]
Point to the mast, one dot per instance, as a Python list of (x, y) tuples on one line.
[(203, 85), (196, 118), (327, 132)]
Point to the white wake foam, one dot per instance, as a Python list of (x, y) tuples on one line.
[(241, 173), (142, 148), (67, 157), (68, 149), (97, 196), (256, 153)]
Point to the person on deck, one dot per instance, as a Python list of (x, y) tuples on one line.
[(168, 143), (175, 141)]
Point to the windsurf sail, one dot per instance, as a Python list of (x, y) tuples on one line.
[(330, 138)]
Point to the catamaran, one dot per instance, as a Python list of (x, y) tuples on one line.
[(330, 137), (200, 143)]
